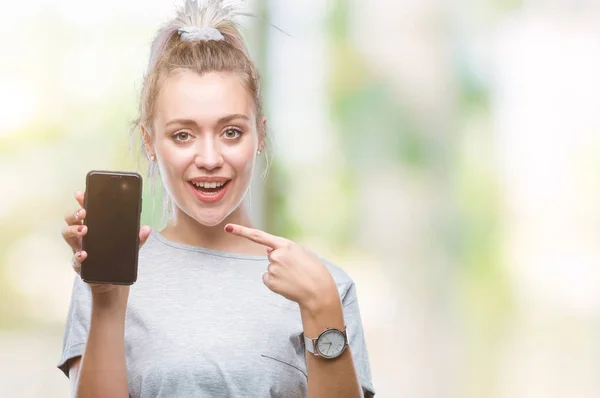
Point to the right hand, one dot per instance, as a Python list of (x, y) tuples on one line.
[(73, 234)]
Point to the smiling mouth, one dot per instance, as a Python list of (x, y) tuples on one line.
[(209, 188)]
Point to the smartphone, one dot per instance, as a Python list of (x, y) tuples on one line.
[(113, 204)]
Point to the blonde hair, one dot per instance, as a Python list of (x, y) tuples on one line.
[(169, 53)]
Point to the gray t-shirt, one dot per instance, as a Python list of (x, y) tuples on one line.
[(201, 323)]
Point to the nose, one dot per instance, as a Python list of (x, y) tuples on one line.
[(208, 154)]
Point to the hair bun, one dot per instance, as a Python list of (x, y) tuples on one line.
[(198, 20)]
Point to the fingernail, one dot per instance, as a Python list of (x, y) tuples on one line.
[(229, 228), (78, 254), (77, 215), (79, 229)]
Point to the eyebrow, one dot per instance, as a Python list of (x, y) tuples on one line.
[(224, 119)]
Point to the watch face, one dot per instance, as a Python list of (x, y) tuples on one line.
[(331, 343)]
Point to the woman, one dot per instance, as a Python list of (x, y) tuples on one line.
[(219, 309)]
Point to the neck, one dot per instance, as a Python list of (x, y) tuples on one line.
[(186, 230)]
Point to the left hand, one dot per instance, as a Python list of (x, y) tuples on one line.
[(293, 272)]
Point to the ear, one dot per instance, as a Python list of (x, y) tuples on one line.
[(147, 141)]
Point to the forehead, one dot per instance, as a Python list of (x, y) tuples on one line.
[(204, 98)]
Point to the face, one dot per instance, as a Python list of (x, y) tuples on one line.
[(205, 142)]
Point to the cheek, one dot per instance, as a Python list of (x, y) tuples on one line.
[(242, 160), (174, 160)]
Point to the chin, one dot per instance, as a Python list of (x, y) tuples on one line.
[(209, 220), (210, 217)]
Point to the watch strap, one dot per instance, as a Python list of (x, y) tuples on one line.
[(310, 344)]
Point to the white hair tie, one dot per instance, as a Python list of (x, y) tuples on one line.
[(192, 33)]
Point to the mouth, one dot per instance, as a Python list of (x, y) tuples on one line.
[(209, 191)]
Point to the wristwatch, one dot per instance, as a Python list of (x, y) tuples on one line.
[(330, 344)]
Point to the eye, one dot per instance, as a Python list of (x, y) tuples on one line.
[(182, 136), (232, 133)]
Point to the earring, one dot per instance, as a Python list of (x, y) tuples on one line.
[(152, 158), (258, 152)]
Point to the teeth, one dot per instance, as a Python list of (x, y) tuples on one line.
[(208, 184)]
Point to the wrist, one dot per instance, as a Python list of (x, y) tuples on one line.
[(114, 299), (320, 300)]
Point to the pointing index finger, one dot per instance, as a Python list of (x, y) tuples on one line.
[(256, 235)]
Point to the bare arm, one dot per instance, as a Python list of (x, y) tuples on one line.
[(101, 371), (329, 378), (300, 276)]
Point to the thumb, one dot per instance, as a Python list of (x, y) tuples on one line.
[(144, 234), (267, 279), (271, 282)]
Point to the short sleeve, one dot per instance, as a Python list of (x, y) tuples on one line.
[(77, 324), (356, 340)]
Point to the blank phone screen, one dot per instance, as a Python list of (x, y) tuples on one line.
[(113, 205)]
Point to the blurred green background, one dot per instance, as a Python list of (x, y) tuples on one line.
[(445, 154)]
